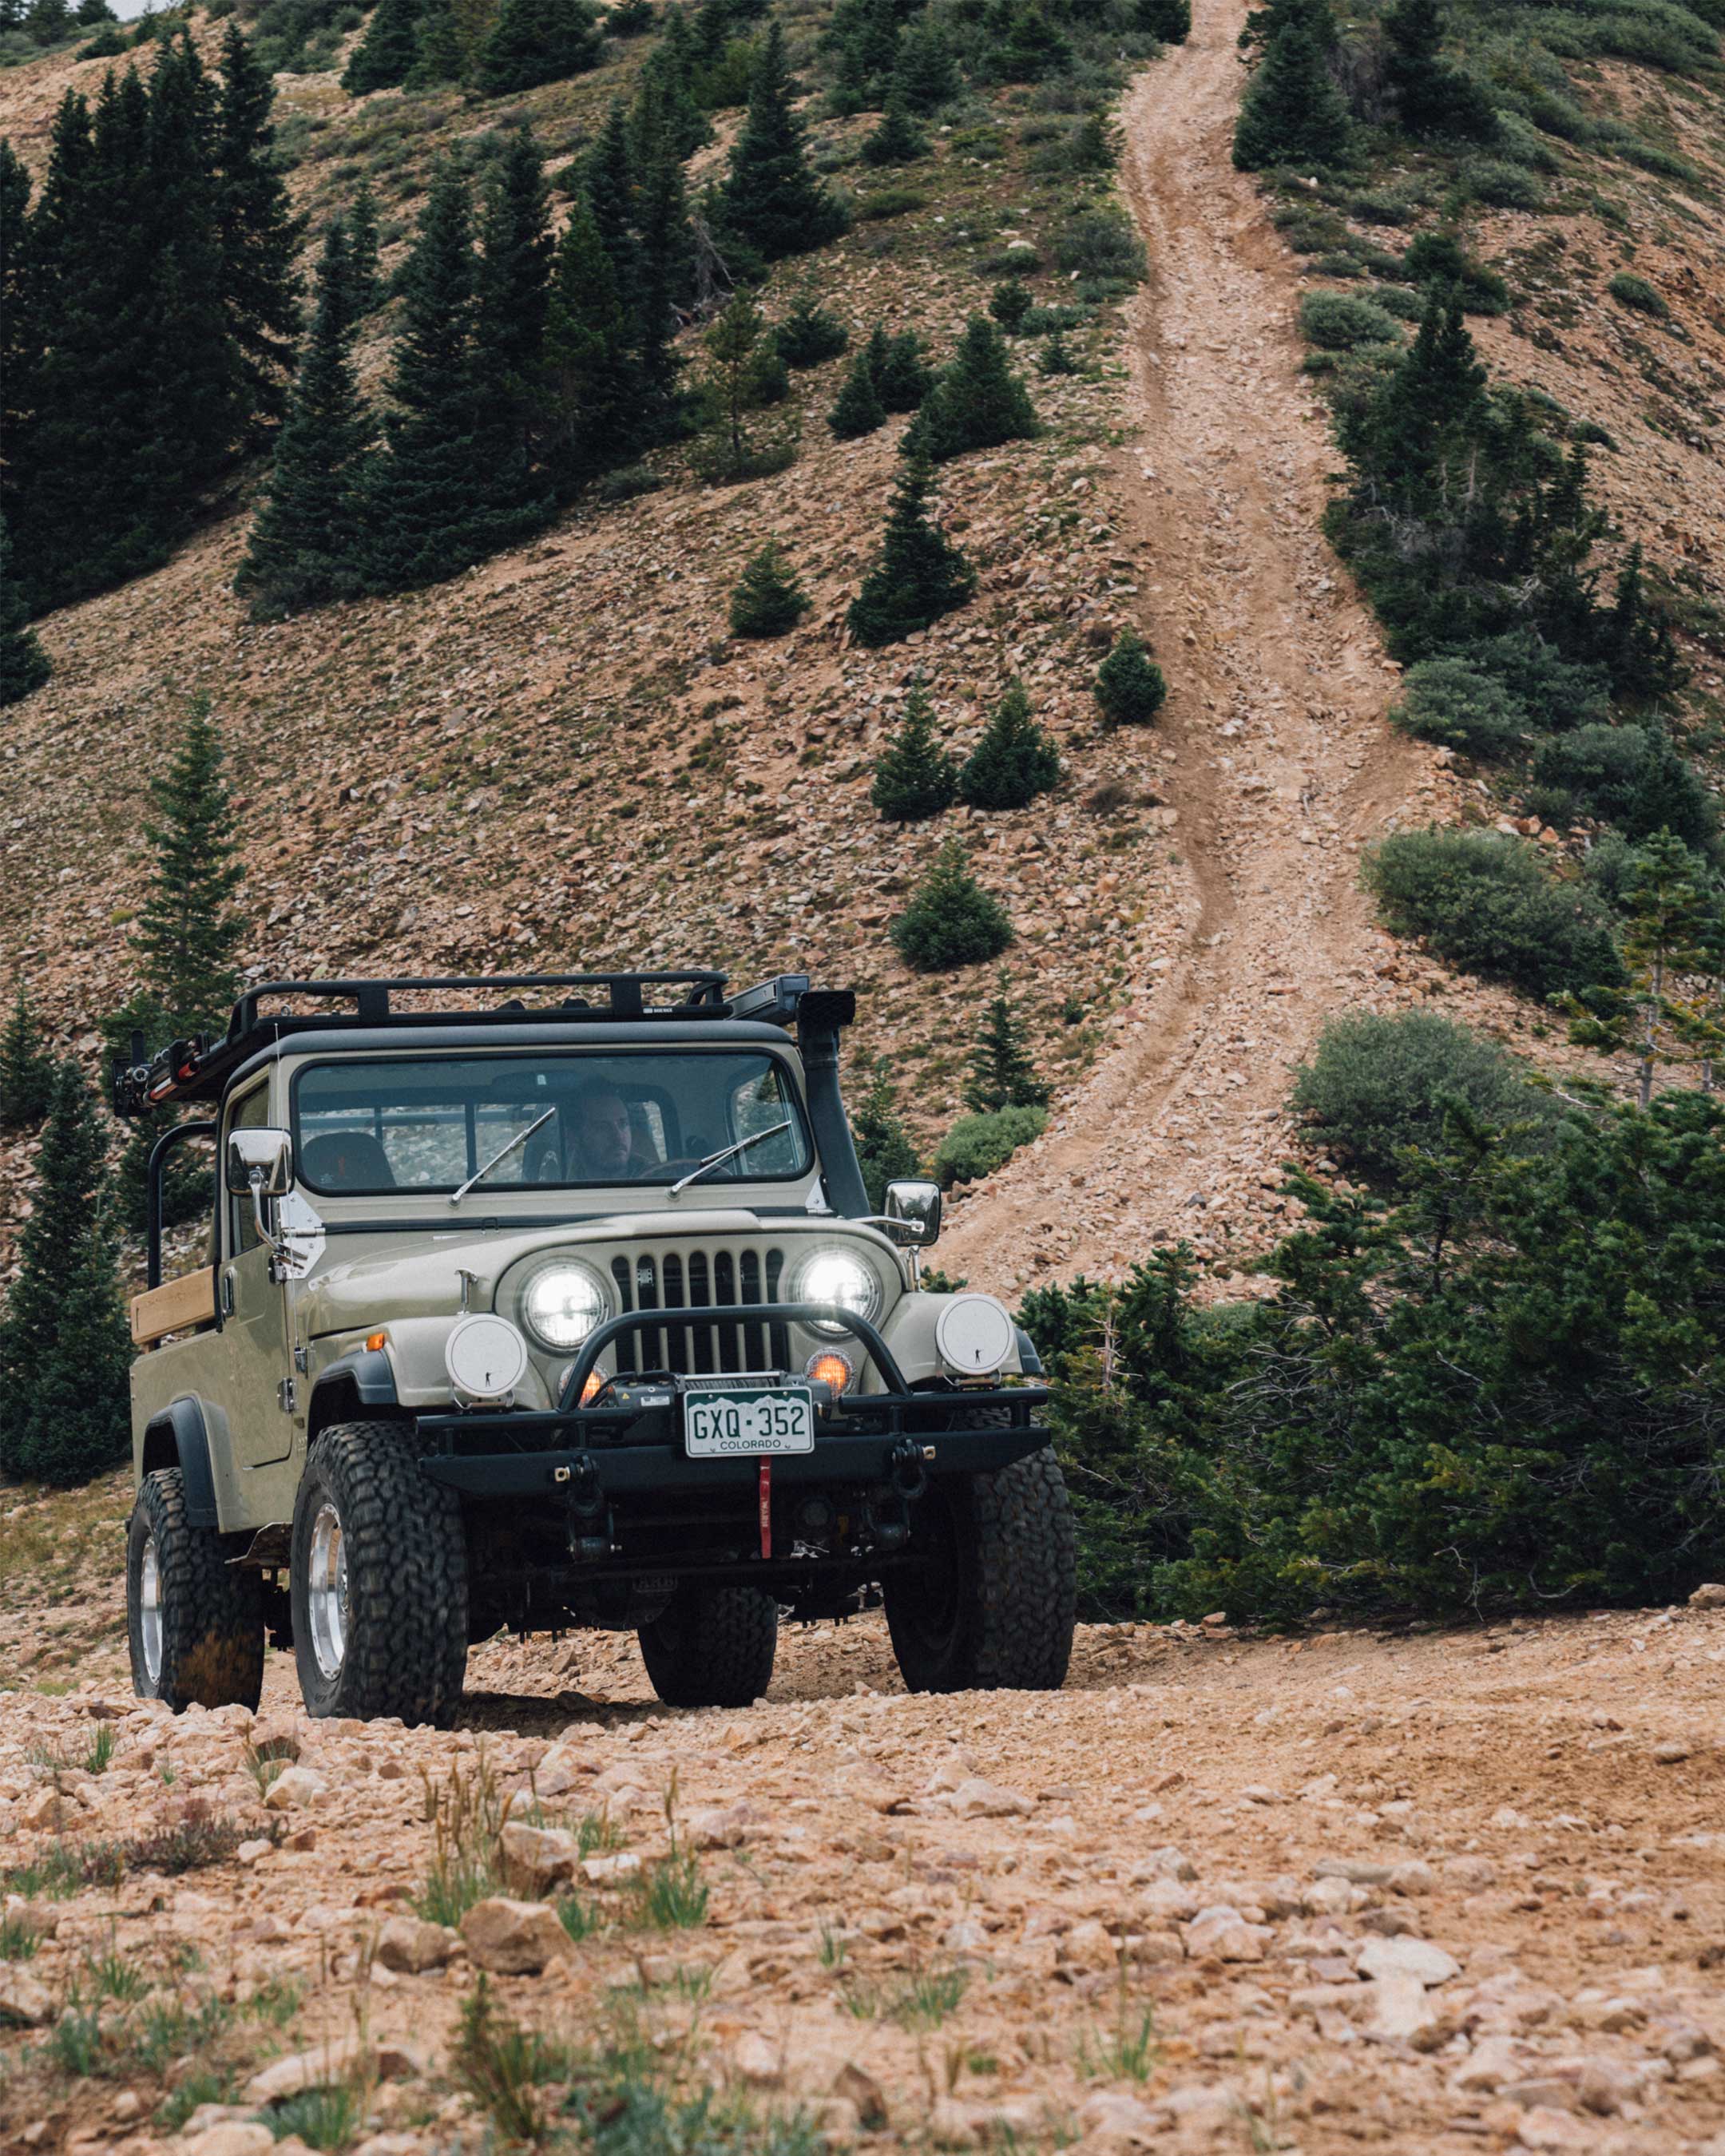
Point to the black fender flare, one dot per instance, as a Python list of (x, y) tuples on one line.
[(361, 1379), (180, 1428)]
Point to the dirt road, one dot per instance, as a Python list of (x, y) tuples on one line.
[(1284, 766), (1431, 1893)]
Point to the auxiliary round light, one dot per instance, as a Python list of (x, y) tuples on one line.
[(836, 1276), (561, 1305), (974, 1334), (828, 1367), (485, 1357)]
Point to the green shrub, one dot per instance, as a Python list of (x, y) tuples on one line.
[(1504, 186), (1130, 686), (919, 574), (1556, 693), (808, 335), (977, 1145), (1008, 303), (1596, 767), (1630, 290), (915, 777), (1101, 242), (1438, 258), (767, 600), (857, 410), (1490, 906), (1337, 321), (952, 921), (1014, 761), (1375, 1086), (1454, 702), (890, 201), (976, 403)]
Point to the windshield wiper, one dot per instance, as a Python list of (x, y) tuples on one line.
[(729, 1153), (503, 1152)]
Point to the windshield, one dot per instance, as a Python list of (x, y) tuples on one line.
[(429, 1123)]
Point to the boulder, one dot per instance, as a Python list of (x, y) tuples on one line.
[(24, 2001), (295, 1786), (539, 1857), (410, 1946)]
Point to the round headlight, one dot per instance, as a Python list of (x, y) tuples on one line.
[(836, 1276), (561, 1304)]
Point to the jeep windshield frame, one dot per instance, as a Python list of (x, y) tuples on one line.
[(419, 1125)]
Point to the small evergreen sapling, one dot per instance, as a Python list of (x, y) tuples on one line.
[(898, 140), (1054, 357), (858, 409), (885, 1150), (1002, 1074), (23, 663), (1291, 112), (26, 1070), (977, 403), (1014, 761), (770, 201), (808, 335), (951, 921), (915, 777), (920, 576), (767, 600), (1130, 686), (1008, 303), (902, 375), (64, 1349), (744, 372)]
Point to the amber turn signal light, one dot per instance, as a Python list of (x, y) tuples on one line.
[(831, 1369), (376, 1340)]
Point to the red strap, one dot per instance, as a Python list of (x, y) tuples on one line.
[(766, 1507)]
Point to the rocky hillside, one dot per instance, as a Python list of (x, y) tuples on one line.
[(562, 759)]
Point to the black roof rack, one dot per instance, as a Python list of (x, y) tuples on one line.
[(198, 1069)]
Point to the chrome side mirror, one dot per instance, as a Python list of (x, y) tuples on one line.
[(260, 1160), (913, 1212)]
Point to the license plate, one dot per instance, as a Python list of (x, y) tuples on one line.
[(745, 1421)]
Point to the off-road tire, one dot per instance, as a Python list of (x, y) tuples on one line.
[(211, 1615), (712, 1646), (996, 1610), (404, 1618)]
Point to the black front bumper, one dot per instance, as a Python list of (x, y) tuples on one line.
[(612, 1450)]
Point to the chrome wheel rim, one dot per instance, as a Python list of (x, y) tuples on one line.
[(150, 1610), (327, 1591)]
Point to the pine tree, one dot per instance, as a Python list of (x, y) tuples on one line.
[(808, 335), (1002, 1074), (736, 384), (770, 201), (665, 95), (1130, 686), (608, 177), (442, 49), (885, 1150), (89, 13), (925, 74), (65, 1353), (1291, 112), (259, 234), (1428, 409), (1170, 20), (189, 929), (902, 375), (19, 343), (767, 600), (915, 777), (305, 545), (1670, 907), (666, 255), (898, 140), (1054, 357), (361, 220), (514, 278), (384, 57), (23, 663), (27, 1069), (1638, 644), (452, 484), (951, 921), (1009, 303), (1032, 48), (976, 403), (538, 41), (590, 407), (857, 410), (1432, 96), (920, 574), (1014, 761)]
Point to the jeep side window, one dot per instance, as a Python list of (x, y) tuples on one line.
[(251, 1113)]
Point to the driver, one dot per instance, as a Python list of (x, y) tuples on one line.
[(603, 1147)]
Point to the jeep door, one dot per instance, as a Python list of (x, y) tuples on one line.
[(257, 1329)]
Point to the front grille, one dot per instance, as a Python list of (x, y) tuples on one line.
[(689, 1279)]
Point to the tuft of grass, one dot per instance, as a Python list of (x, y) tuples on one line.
[(265, 1767), (19, 1939), (833, 1948), (101, 1755), (200, 2088), (327, 2118), (671, 1895), (580, 1919), (193, 1843), (1129, 2051), (74, 2049), (502, 2066), (275, 2001), (467, 1813), (115, 1977)]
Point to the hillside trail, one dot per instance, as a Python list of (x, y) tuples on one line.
[(1282, 767)]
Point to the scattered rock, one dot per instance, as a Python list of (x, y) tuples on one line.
[(233, 2137), (342, 2059), (295, 1786), (976, 1799), (1407, 1957), (25, 2001), (539, 1857), (410, 1946), (513, 1938)]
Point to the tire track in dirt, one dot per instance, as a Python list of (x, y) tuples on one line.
[(1283, 767)]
